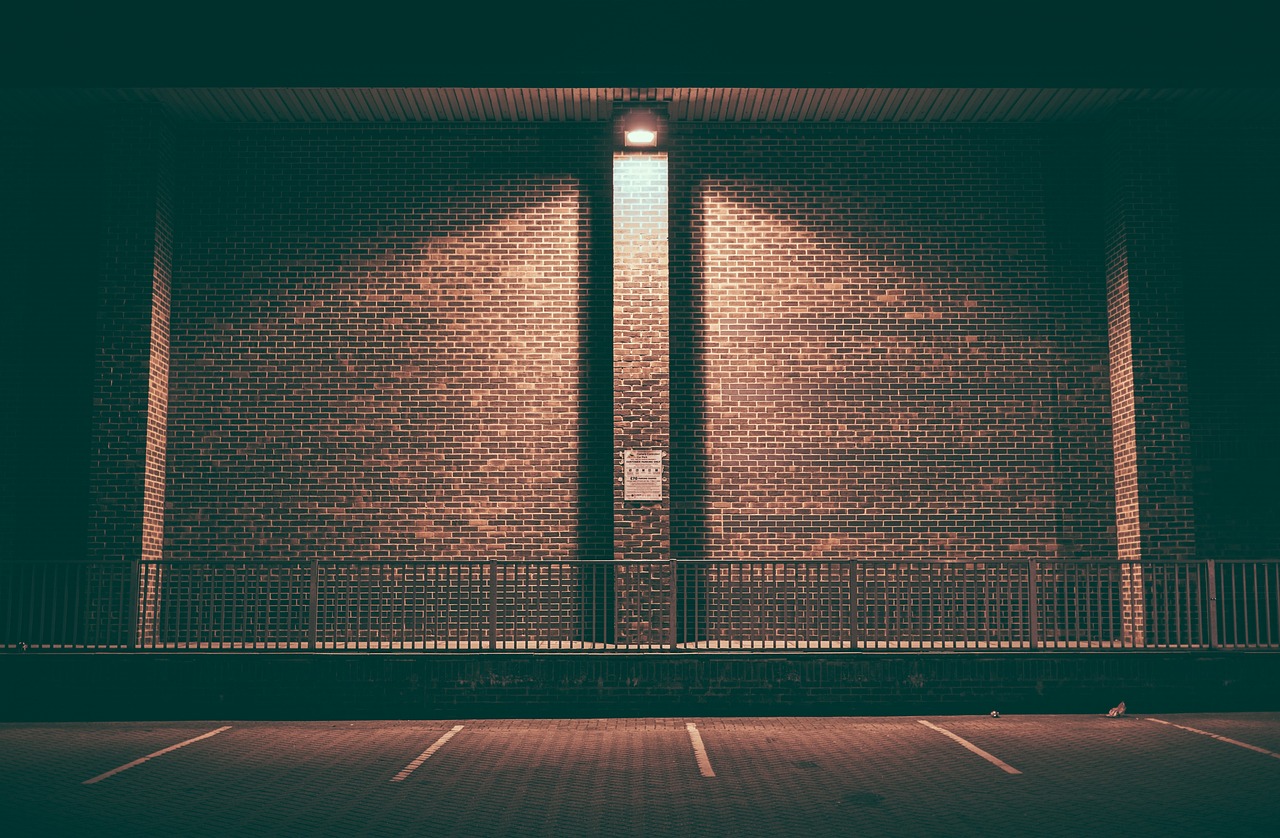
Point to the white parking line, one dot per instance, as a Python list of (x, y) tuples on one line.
[(1219, 737), (422, 757), (994, 760), (161, 752), (699, 751)]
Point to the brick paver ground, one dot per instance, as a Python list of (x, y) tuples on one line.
[(1081, 775)]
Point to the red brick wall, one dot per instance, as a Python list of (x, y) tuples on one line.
[(1148, 356), (131, 382), (892, 347), (641, 355), (641, 389), (379, 343)]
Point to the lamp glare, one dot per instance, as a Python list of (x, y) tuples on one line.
[(641, 137)]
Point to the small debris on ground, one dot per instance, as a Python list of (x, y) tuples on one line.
[(1116, 711)]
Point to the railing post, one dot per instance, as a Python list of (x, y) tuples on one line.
[(1213, 603), (313, 606), (139, 602), (1033, 603), (673, 632), (493, 604), (855, 624)]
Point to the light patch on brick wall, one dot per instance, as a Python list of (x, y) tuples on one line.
[(376, 355)]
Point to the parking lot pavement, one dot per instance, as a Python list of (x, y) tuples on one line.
[(1199, 774)]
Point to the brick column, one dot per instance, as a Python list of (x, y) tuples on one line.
[(641, 390), (130, 396), (1154, 519)]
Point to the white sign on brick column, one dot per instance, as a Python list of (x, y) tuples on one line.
[(642, 474)]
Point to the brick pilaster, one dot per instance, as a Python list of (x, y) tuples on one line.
[(641, 392), (130, 398), (1148, 358)]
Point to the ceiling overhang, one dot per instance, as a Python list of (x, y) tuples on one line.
[(406, 105)]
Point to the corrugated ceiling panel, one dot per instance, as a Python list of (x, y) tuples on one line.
[(721, 104)]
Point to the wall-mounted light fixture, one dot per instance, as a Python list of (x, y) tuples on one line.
[(640, 129)]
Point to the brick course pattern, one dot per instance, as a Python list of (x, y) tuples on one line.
[(130, 390), (1144, 295), (641, 389), (890, 365), (887, 341), (380, 352)]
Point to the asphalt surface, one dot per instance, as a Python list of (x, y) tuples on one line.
[(1187, 774)]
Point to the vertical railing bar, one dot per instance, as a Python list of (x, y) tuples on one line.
[(771, 572), (56, 613), (1033, 609), (749, 583), (1211, 567), (313, 604), (1161, 634), (763, 639), (135, 572), (1088, 595), (1275, 601), (1191, 620), (361, 613), (1099, 625), (1191, 628), (824, 611), (1225, 638), (41, 634), (1195, 611), (1226, 605), (848, 593), (791, 633), (181, 600), (64, 586), (1160, 588), (819, 606), (1235, 607), (1257, 632), (778, 571), (79, 597), (493, 604), (236, 603), (1240, 603), (193, 633), (1166, 633), (992, 628), (1262, 604), (35, 622), (673, 606), (215, 594), (36, 618), (48, 633), (1117, 616), (1266, 599), (1256, 605)]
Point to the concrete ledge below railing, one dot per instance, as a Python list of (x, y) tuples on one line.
[(75, 686)]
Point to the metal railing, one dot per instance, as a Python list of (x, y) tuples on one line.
[(515, 605)]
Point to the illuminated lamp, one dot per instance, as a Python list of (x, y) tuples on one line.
[(640, 130)]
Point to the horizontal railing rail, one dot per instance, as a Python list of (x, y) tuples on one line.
[(643, 606)]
